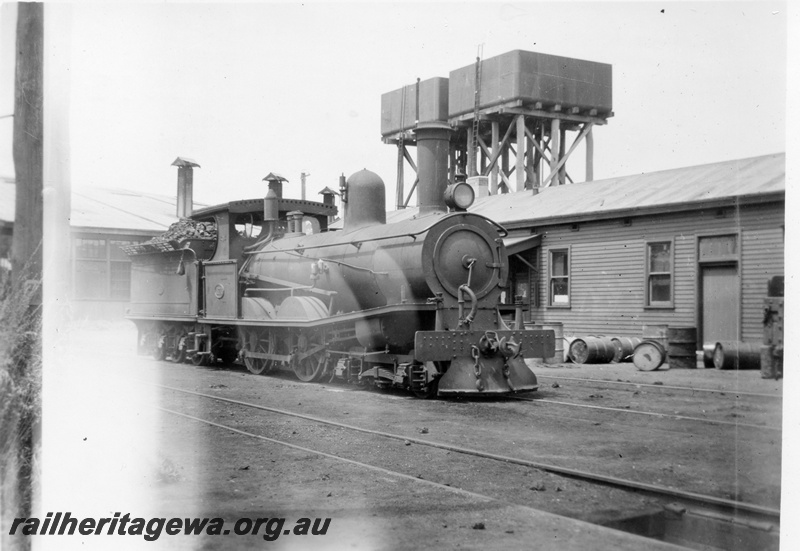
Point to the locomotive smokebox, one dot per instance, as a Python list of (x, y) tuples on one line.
[(366, 201), (433, 153)]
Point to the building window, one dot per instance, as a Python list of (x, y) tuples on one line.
[(559, 277), (659, 274), (102, 269)]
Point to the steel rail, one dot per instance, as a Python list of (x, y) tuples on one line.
[(459, 491), (651, 413), (333, 456), (694, 498), (670, 387)]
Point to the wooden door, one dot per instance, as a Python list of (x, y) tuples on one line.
[(720, 303)]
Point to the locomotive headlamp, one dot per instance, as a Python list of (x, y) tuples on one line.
[(459, 196)]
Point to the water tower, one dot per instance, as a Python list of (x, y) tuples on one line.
[(511, 115)]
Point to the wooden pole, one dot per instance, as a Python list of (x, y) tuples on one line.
[(538, 163), (530, 170), (399, 190), (555, 135), (26, 248), (495, 146), (472, 165), (590, 155), (562, 176), (520, 152)]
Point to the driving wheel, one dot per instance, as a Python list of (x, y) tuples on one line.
[(260, 343)]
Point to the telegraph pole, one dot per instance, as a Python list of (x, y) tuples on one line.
[(26, 248)]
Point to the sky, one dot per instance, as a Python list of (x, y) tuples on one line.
[(248, 89)]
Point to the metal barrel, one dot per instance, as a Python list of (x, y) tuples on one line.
[(737, 355), (682, 347), (649, 355), (708, 354), (567, 346), (623, 348), (591, 350)]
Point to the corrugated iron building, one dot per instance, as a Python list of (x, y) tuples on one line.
[(687, 247), (101, 221)]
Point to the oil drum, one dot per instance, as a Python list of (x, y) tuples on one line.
[(649, 355), (737, 355), (591, 350), (682, 347), (623, 348)]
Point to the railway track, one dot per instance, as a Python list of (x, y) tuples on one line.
[(571, 532), (627, 411), (740, 515), (659, 387)]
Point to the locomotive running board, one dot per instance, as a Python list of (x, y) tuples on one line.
[(321, 322)]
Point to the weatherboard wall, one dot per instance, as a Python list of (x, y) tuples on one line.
[(608, 268)]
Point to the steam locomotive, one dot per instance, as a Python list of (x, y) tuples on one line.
[(411, 304)]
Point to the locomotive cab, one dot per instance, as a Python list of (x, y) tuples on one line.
[(240, 226)]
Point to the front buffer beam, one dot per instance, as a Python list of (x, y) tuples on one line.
[(484, 362)]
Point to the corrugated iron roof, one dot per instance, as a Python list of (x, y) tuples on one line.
[(108, 208), (674, 189)]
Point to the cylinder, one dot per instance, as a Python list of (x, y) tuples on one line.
[(184, 204), (648, 355), (591, 350), (558, 329), (737, 355), (567, 345), (433, 153), (623, 348), (682, 347), (271, 207), (708, 354)]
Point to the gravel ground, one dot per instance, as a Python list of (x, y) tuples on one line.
[(107, 450)]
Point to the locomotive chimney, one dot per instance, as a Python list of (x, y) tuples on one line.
[(271, 208), (329, 199), (328, 196), (185, 202), (275, 182), (433, 153)]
